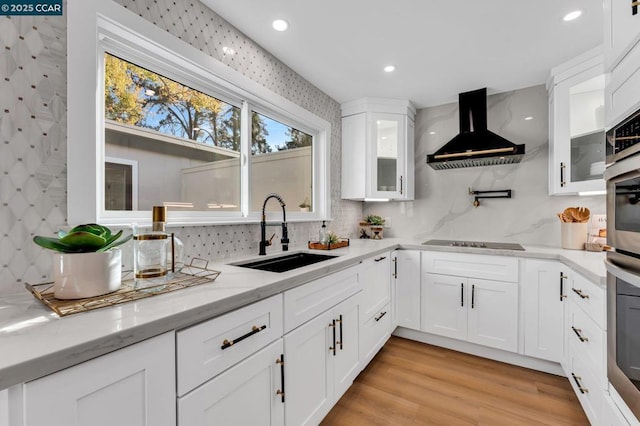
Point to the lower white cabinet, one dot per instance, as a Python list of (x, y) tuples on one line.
[(376, 307), (476, 310), (250, 393), (406, 294), (545, 288), (321, 361), (133, 386)]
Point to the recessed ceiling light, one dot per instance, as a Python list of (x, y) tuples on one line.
[(528, 118), (572, 15), (280, 25), (432, 133), (389, 68), (227, 50)]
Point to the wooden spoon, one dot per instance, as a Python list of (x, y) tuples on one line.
[(581, 214), (568, 214)]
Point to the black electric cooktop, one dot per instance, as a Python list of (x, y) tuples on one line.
[(474, 244)]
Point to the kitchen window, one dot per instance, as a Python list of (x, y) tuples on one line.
[(207, 142)]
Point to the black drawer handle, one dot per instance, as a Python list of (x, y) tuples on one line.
[(580, 293), (280, 392), (578, 332), (380, 259), (255, 329), (562, 278), (381, 315), (578, 384)]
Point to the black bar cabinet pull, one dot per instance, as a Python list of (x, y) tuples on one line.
[(280, 391), (473, 296), (228, 343), (577, 380), (562, 182), (395, 267), (381, 315), (400, 185), (380, 258), (339, 321), (580, 293), (461, 294), (579, 334), (333, 348), (562, 278)]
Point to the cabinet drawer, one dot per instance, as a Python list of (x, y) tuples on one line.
[(207, 349), (224, 399), (587, 388), (374, 333), (307, 301), (376, 284), (471, 265), (590, 297), (588, 340)]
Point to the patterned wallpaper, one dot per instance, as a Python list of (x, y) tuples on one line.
[(33, 133)]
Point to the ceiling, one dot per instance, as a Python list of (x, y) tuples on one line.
[(439, 47)]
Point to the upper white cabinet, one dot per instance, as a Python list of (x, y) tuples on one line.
[(621, 59), (377, 149), (576, 125)]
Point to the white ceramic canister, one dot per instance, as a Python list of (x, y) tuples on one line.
[(82, 275)]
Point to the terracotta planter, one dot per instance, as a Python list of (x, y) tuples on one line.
[(82, 275)]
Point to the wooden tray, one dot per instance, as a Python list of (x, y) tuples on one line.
[(190, 276), (316, 245)]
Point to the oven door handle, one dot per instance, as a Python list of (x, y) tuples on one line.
[(629, 275)]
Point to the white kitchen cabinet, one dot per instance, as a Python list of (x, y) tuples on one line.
[(206, 349), (406, 280), (621, 23), (375, 309), (471, 297), (249, 393), (586, 336), (378, 149), (622, 59), (576, 125), (321, 361), (611, 414), (545, 288), (472, 309), (131, 386)]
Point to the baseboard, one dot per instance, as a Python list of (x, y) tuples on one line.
[(481, 351)]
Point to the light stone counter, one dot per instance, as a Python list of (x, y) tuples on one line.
[(35, 342)]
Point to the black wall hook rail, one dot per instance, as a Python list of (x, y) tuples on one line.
[(502, 193)]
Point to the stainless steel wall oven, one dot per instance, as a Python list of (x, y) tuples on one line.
[(623, 262)]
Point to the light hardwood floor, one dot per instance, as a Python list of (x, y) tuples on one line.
[(411, 383)]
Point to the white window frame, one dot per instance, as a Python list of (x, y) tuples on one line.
[(96, 26)]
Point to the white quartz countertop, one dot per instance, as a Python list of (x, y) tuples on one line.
[(36, 342)]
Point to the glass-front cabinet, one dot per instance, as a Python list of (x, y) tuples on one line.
[(576, 126), (377, 150)]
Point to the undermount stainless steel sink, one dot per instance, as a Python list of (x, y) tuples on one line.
[(286, 262)]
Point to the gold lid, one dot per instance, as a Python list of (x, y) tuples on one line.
[(159, 214)]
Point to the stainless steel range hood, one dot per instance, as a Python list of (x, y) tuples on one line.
[(475, 145)]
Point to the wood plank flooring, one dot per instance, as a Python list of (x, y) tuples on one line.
[(411, 383)]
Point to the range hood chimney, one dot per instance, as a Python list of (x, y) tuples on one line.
[(475, 145)]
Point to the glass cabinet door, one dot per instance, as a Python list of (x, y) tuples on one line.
[(586, 118), (577, 139), (388, 133)]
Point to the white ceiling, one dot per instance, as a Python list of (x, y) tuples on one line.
[(439, 47)]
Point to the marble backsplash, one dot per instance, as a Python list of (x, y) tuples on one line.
[(443, 208)]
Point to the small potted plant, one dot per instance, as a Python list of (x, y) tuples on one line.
[(86, 261), (376, 224), (305, 206)]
